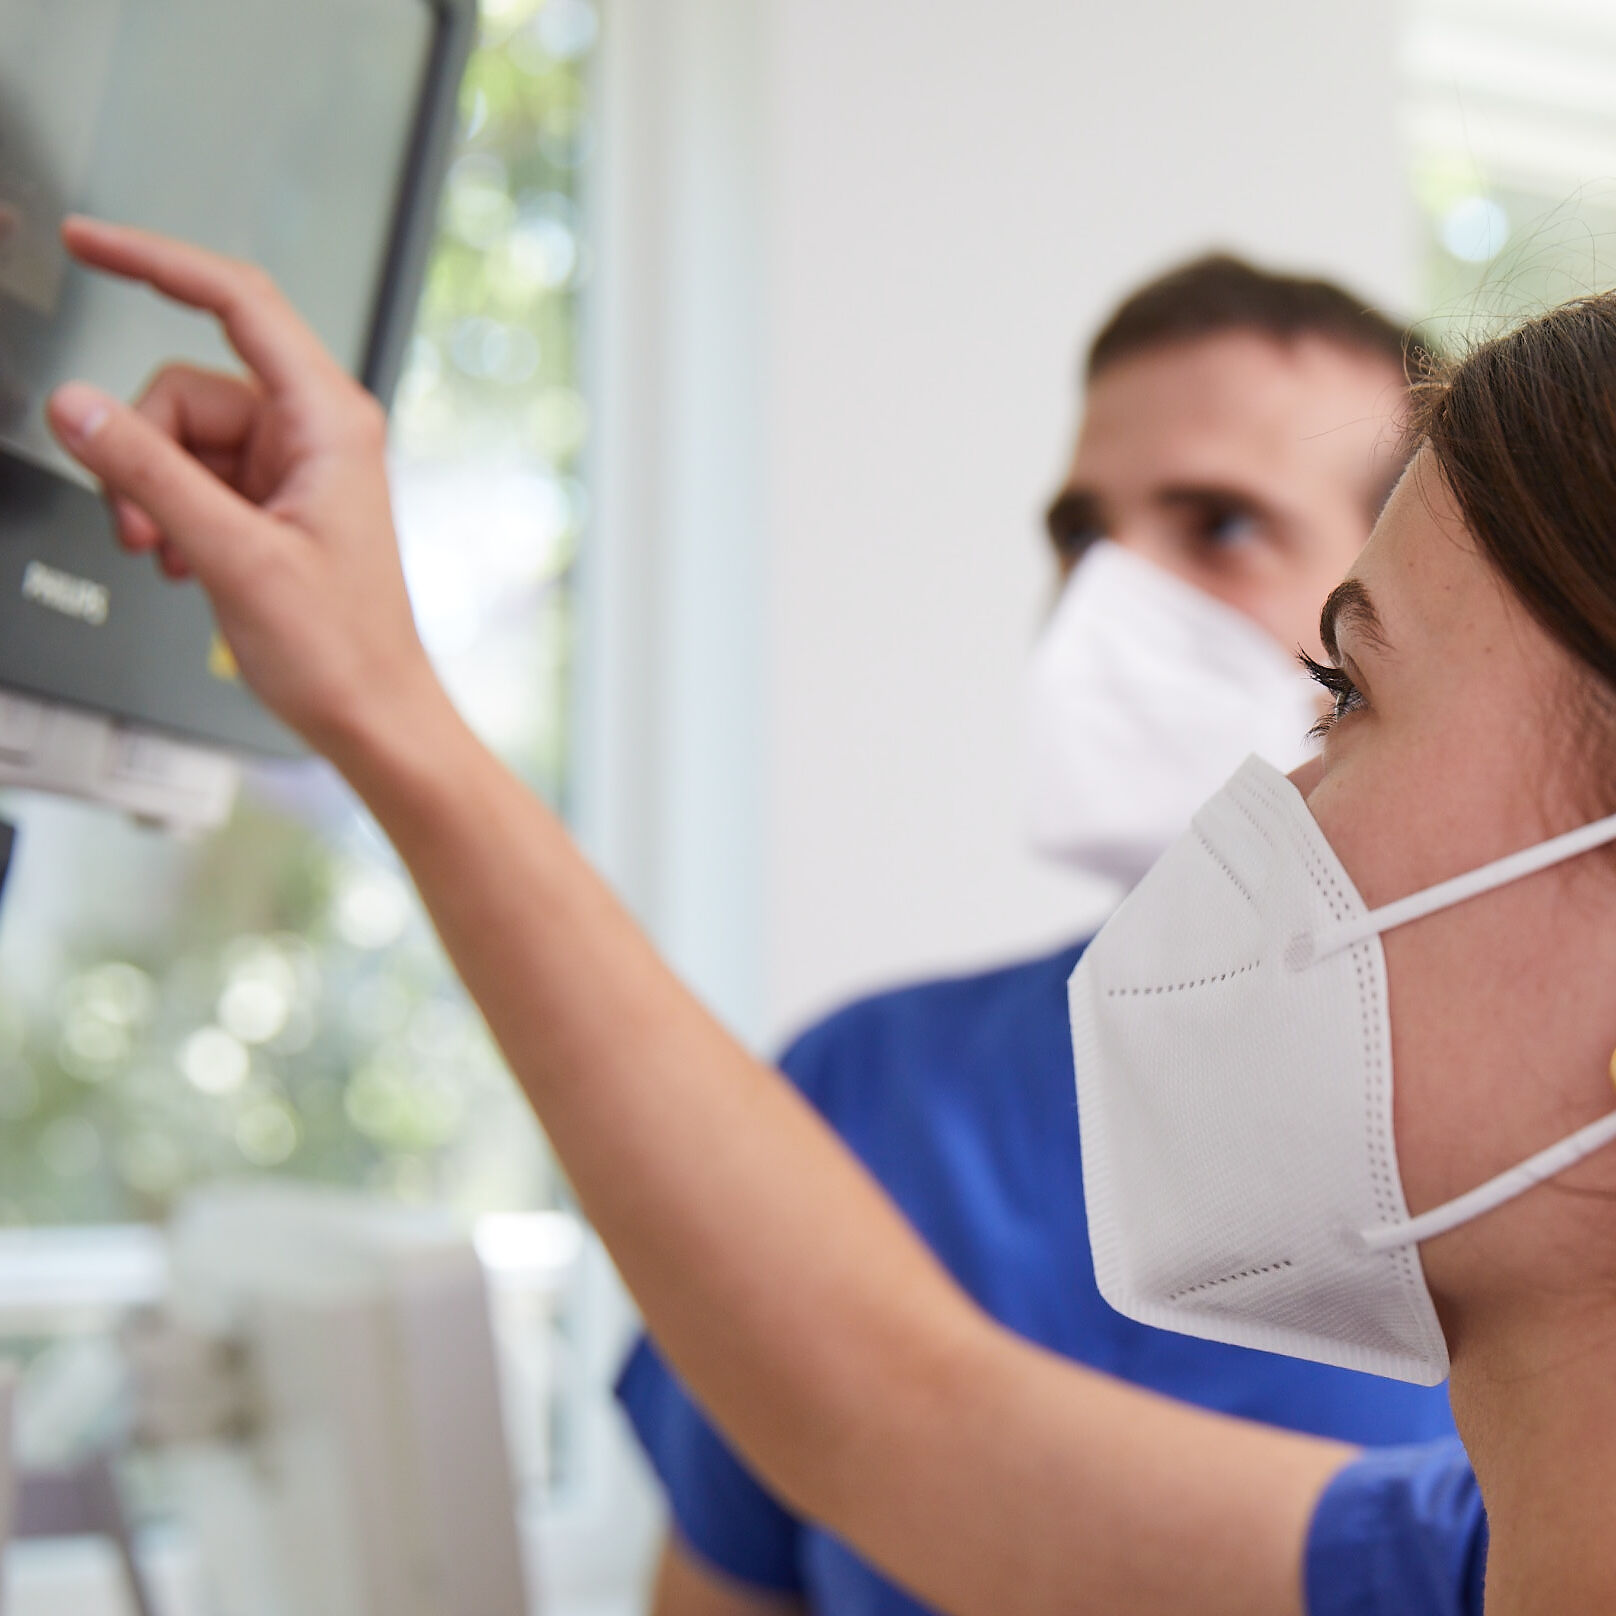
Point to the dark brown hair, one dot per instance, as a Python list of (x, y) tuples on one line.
[(1220, 293), (1524, 431)]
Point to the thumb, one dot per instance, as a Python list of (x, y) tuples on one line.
[(211, 526)]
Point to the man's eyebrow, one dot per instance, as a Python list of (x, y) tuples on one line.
[(1223, 495), (1349, 604)]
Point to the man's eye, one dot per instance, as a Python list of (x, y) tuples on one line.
[(1345, 696), (1072, 541), (1229, 527)]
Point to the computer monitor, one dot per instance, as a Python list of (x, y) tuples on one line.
[(308, 136)]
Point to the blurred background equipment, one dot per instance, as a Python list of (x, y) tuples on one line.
[(154, 778), (344, 1453), (318, 1394), (78, 1501), (8, 1389)]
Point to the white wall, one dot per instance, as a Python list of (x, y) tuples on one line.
[(850, 249), (672, 705)]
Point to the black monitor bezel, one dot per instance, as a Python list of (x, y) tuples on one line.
[(414, 221), (244, 726)]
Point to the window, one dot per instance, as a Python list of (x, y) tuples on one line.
[(1510, 112), (271, 999)]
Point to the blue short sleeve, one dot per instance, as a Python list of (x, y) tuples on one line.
[(1400, 1532), (722, 1513)]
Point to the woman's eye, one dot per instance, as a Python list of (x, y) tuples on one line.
[(1345, 697)]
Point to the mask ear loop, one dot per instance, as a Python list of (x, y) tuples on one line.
[(1534, 1170), (1306, 947)]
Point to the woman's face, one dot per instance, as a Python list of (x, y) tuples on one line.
[(1464, 739)]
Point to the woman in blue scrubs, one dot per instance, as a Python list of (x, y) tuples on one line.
[(1473, 669)]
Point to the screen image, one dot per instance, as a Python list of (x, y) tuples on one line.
[(269, 132)]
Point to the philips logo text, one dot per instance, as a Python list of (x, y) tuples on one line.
[(80, 598)]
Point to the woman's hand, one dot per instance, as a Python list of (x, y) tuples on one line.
[(271, 488)]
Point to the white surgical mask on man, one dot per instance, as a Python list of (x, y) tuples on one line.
[(1143, 694), (1234, 1076)]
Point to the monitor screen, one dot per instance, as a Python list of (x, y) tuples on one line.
[(304, 135)]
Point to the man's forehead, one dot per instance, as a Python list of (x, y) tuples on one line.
[(1238, 396)]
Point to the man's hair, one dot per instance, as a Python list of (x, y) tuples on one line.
[(1219, 293)]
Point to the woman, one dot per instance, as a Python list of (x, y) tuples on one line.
[(1474, 676)]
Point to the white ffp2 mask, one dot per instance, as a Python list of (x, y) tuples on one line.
[(1234, 1077), (1142, 695)]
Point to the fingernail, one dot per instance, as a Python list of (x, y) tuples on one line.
[(80, 410)]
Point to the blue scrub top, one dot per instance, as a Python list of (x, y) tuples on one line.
[(959, 1097), (1400, 1532)]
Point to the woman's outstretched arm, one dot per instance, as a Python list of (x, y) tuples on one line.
[(988, 1475)]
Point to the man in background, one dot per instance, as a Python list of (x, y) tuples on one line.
[(1241, 430)]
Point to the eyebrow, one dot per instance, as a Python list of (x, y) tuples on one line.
[(1224, 496), (1348, 605)]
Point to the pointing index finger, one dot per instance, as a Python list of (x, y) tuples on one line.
[(262, 326)]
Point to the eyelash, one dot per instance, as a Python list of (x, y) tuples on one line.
[(1343, 692)]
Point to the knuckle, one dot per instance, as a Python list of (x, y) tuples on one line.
[(255, 280), (248, 289), (167, 380), (162, 387), (367, 421)]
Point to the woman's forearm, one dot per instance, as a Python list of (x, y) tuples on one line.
[(802, 1311)]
